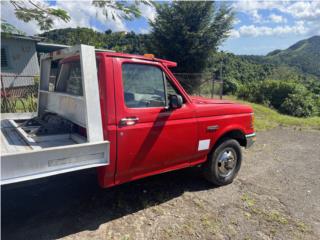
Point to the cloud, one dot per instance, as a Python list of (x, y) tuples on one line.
[(256, 16), (234, 33), (7, 13), (302, 10), (236, 21), (305, 10), (148, 12), (250, 6), (305, 17), (82, 14), (277, 18), (257, 31)]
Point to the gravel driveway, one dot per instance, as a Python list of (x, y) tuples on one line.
[(275, 196)]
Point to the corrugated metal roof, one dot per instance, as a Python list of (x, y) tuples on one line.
[(49, 47)]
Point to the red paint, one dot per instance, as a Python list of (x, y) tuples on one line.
[(161, 140)]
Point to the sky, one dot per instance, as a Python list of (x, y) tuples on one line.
[(259, 26)]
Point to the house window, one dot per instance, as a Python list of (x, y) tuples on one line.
[(4, 58)]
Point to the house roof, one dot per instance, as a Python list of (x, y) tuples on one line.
[(45, 47), (17, 36)]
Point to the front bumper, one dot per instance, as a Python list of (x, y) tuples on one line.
[(250, 139)]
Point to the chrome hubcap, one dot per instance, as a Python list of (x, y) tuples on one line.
[(227, 162)]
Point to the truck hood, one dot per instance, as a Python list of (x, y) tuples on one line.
[(206, 107), (203, 100)]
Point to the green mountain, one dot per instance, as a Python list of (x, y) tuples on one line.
[(303, 55)]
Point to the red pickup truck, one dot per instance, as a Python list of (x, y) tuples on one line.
[(151, 124)]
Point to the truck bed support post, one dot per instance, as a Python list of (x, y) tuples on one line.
[(90, 87)]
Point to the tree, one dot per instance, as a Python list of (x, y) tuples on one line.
[(44, 15), (119, 41), (7, 28), (121, 9), (189, 33)]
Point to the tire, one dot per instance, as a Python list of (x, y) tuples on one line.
[(223, 163)]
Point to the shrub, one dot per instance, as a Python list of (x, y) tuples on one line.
[(317, 103), (249, 92), (288, 97), (298, 105), (275, 92), (230, 86)]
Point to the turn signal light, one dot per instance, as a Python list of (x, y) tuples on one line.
[(252, 121)]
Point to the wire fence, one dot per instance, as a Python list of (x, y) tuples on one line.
[(19, 93), (201, 84)]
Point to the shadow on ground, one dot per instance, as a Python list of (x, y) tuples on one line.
[(67, 204)]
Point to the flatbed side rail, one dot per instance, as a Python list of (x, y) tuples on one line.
[(23, 166)]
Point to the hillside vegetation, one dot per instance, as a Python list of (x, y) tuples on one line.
[(266, 118), (279, 86), (304, 55), (128, 42)]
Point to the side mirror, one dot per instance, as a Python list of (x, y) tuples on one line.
[(175, 101)]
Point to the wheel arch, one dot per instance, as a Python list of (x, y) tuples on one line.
[(236, 134)]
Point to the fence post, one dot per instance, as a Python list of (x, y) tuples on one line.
[(4, 102), (221, 89), (212, 87), (221, 81)]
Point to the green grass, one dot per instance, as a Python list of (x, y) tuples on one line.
[(249, 201), (266, 118), (28, 104)]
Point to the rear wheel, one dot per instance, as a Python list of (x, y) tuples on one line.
[(223, 163)]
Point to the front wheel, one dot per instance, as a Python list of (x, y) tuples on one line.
[(223, 163)]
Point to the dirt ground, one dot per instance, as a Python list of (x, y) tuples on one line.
[(275, 196)]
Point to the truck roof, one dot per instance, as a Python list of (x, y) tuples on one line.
[(65, 53), (133, 56)]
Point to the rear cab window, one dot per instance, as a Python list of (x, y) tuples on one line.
[(69, 78)]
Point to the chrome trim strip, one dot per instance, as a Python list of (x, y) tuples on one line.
[(250, 139), (251, 135)]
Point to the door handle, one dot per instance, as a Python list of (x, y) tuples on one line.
[(129, 121)]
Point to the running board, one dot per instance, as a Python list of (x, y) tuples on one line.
[(28, 165)]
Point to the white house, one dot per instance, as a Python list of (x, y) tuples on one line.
[(19, 60)]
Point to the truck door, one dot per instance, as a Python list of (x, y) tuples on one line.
[(150, 137)]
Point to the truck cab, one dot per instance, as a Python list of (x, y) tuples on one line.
[(143, 118)]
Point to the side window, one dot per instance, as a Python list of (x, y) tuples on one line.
[(53, 75), (171, 89), (143, 86)]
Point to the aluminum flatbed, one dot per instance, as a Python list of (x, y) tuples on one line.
[(34, 146)]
